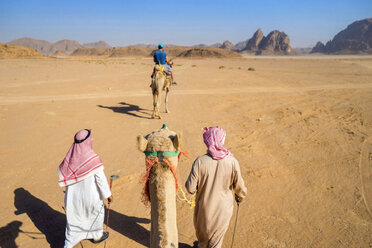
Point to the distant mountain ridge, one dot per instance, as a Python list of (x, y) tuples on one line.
[(275, 43), (356, 38), (65, 46)]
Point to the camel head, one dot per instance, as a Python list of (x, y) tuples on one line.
[(162, 140)]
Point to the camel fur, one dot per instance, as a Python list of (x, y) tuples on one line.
[(160, 82), (161, 184)]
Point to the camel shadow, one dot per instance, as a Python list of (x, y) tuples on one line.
[(129, 227), (9, 233), (129, 109), (49, 221)]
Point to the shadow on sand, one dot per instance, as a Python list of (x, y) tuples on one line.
[(49, 221), (128, 109), (52, 223), (129, 227)]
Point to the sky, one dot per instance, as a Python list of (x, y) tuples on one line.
[(181, 22)]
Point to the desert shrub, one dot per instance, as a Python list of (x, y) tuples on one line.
[(221, 67), (193, 66), (178, 64), (251, 69)]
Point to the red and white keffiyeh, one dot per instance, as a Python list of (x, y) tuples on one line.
[(214, 138), (80, 161)]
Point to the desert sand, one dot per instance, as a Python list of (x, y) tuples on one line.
[(297, 126)]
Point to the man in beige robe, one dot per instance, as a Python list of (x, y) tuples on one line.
[(214, 176)]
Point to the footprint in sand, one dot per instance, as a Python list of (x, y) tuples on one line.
[(365, 168)]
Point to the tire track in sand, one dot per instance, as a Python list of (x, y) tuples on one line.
[(7, 100), (365, 168)]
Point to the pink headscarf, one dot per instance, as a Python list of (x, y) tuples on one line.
[(214, 138), (80, 161)]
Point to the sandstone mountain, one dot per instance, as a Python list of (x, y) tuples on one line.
[(356, 38), (276, 43), (42, 46), (227, 45), (319, 48), (241, 45), (98, 44), (59, 54), (210, 52), (174, 51), (65, 46), (254, 42), (14, 51)]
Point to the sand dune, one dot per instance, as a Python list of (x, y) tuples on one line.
[(300, 128)]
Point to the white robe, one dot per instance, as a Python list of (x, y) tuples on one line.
[(85, 209)]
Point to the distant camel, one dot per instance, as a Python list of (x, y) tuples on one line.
[(161, 148), (160, 82)]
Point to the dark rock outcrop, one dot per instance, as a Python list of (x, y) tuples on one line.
[(253, 43), (275, 43), (355, 39), (227, 45), (318, 48)]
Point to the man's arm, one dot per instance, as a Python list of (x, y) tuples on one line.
[(238, 183), (192, 181), (102, 184)]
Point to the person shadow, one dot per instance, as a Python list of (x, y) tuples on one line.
[(129, 227), (129, 109), (49, 221), (9, 233)]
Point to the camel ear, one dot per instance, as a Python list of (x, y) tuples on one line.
[(177, 141), (141, 143)]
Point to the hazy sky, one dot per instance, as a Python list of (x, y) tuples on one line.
[(187, 22)]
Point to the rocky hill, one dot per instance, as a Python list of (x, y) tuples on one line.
[(275, 43), (355, 39), (209, 52), (98, 44), (227, 45), (65, 46), (14, 51), (254, 42)]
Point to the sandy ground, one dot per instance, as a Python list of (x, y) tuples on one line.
[(297, 126)]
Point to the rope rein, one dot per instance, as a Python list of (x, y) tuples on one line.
[(190, 201)]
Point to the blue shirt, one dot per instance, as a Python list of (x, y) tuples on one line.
[(159, 56)]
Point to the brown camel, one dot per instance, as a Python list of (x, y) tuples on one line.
[(160, 82), (161, 148)]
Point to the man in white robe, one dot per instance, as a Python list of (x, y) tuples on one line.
[(86, 187)]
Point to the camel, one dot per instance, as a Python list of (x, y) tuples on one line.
[(160, 82), (161, 148)]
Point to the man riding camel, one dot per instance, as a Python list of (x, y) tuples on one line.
[(160, 57)]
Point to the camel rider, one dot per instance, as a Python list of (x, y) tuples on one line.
[(160, 57)]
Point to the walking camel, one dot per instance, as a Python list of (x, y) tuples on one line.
[(160, 82), (161, 148)]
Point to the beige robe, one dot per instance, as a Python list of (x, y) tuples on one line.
[(214, 181)]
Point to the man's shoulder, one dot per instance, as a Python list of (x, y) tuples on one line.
[(204, 157)]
